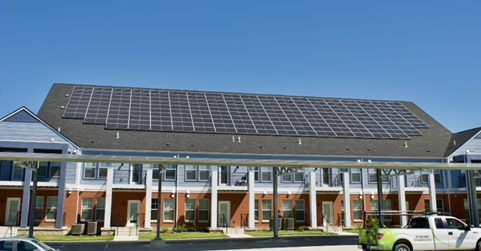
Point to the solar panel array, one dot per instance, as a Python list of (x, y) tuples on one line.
[(210, 112)]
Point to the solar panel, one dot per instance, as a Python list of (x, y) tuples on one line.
[(210, 112)]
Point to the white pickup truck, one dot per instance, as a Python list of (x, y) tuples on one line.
[(431, 232)]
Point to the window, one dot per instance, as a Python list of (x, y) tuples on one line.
[(356, 175), (287, 178), (203, 210), (136, 173), (51, 208), (425, 176), (7, 245), (299, 176), (204, 173), (42, 169), (462, 176), (266, 210), (169, 209), (89, 170), (437, 176), (170, 171), (256, 173), (325, 176), (154, 208), (287, 208), (439, 205), (373, 177), (466, 207), (300, 210), (256, 210), (55, 169), (103, 169), (386, 206), (87, 206), (356, 210), (95, 170), (100, 209), (39, 208), (454, 223), (191, 173), (439, 223), (18, 172), (266, 174), (48, 169), (190, 210)]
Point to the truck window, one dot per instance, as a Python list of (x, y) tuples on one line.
[(439, 223), (453, 223), (419, 223)]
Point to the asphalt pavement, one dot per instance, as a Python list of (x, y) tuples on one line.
[(281, 243)]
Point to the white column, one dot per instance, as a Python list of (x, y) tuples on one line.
[(402, 198), (148, 197), (347, 199), (61, 195), (252, 194), (213, 201), (313, 199), (26, 198), (432, 192), (108, 197)]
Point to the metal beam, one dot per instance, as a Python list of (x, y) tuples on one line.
[(235, 162)]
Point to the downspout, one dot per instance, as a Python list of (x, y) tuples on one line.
[(448, 190), (176, 193)]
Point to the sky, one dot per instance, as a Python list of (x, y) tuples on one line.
[(427, 52)]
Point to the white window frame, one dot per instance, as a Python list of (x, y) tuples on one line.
[(287, 209), (92, 167), (204, 207), (188, 169), (87, 205), (298, 176), (52, 202), (172, 169), (356, 209), (39, 203), (103, 167), (203, 170), (268, 171), (386, 206), (53, 166), (358, 172), (154, 208), (256, 210), (300, 207), (266, 207), (99, 209), (168, 202), (189, 208)]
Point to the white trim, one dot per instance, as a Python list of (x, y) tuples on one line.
[(7, 209), (129, 203)]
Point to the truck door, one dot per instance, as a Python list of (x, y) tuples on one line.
[(457, 236), (441, 237)]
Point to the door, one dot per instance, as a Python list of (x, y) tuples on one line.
[(458, 237), (13, 207), (133, 212), (327, 216), (224, 213), (224, 175)]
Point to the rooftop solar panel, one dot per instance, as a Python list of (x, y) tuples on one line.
[(210, 112)]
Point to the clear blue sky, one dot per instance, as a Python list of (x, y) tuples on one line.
[(427, 52)]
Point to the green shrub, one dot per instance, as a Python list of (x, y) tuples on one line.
[(164, 229), (180, 228), (302, 228)]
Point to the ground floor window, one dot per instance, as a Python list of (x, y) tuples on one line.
[(189, 210), (39, 208), (466, 207), (100, 209), (256, 210), (386, 206), (287, 208), (169, 209), (356, 210), (300, 210), (87, 206), (154, 209), (203, 210), (266, 210), (52, 208)]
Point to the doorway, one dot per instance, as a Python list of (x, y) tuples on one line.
[(11, 215), (133, 212), (328, 218), (224, 214)]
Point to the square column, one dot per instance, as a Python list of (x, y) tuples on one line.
[(26, 198), (432, 192), (347, 199), (148, 198), (108, 197), (251, 184), (213, 193), (61, 195), (313, 199), (402, 198)]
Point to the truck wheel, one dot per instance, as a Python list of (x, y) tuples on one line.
[(401, 247), (478, 246)]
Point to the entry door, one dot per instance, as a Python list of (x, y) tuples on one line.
[(13, 207), (133, 212), (328, 218), (224, 213)]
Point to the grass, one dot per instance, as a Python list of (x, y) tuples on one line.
[(285, 233), (183, 235), (354, 231), (72, 238)]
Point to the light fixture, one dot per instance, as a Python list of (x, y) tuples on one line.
[(289, 192), (265, 192), (188, 194), (372, 195), (360, 194)]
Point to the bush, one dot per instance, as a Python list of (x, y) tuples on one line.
[(179, 228), (164, 230), (302, 228)]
